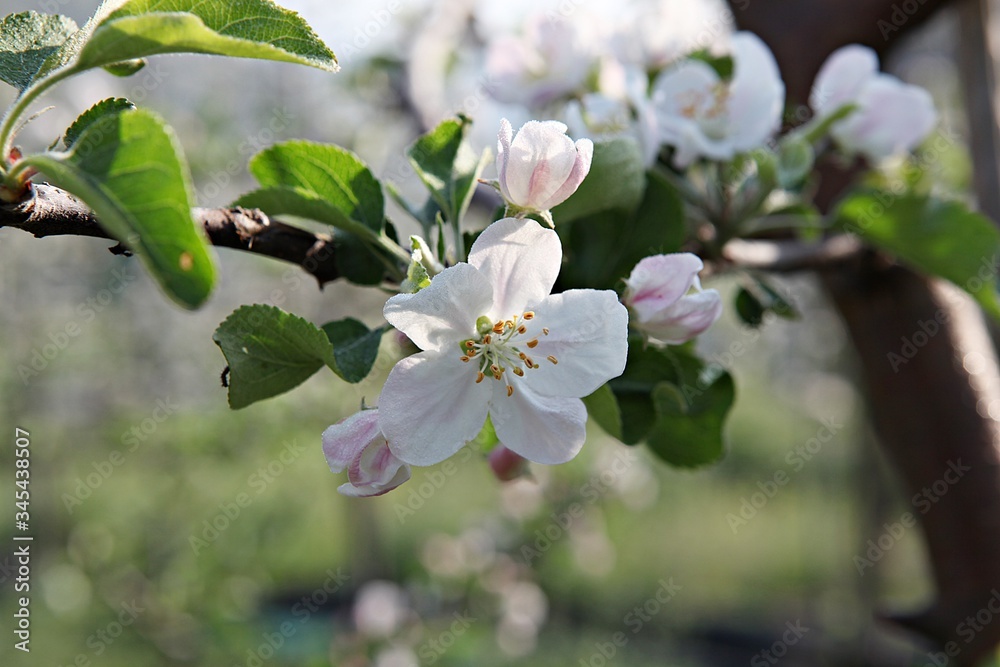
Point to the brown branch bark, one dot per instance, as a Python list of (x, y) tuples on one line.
[(932, 411), (50, 211)]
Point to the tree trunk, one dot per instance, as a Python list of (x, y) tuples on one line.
[(934, 404)]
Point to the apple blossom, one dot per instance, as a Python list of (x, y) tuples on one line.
[(659, 294), (890, 117), (357, 445), (701, 115), (550, 59), (540, 167), (496, 343), (507, 465)]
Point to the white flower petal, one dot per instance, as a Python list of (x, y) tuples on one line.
[(581, 167), (687, 318), (504, 136), (756, 94), (892, 117), (520, 260), (444, 312), (431, 406), (375, 466), (842, 77), (402, 475), (546, 430), (588, 333), (343, 442)]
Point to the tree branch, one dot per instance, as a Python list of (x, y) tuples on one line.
[(50, 211), (789, 256)]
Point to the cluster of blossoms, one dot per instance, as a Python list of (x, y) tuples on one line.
[(495, 343), (605, 79)]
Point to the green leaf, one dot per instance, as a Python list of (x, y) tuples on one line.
[(269, 352), (603, 409), (942, 238), (448, 166), (603, 248), (616, 181), (674, 402), (749, 308), (330, 174), (246, 29), (26, 41), (331, 185), (693, 438), (112, 105), (355, 348), (128, 167)]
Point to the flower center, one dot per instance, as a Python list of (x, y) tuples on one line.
[(707, 108), (503, 346)]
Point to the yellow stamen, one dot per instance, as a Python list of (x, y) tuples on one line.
[(522, 329), (498, 328), (533, 343), (479, 377), (552, 359), (545, 331), (464, 358), (518, 372), (510, 390), (529, 315)]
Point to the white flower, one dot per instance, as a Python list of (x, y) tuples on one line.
[(659, 294), (540, 167), (497, 343), (357, 445), (550, 59), (701, 115), (891, 116), (621, 109)]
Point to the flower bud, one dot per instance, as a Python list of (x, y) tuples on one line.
[(666, 299), (540, 167), (507, 465), (358, 445)]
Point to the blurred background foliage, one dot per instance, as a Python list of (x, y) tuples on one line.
[(225, 529)]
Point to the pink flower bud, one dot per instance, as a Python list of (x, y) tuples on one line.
[(659, 294), (507, 465), (540, 167), (358, 445)]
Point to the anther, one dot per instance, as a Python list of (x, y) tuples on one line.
[(533, 343), (464, 358), (498, 328), (545, 331), (552, 359), (510, 390), (528, 315), (479, 377), (522, 329), (518, 372)]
